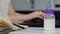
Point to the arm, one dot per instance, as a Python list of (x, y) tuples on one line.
[(13, 13), (11, 9), (15, 17)]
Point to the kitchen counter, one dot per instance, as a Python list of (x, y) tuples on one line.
[(36, 30)]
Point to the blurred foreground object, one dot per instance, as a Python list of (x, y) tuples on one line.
[(5, 22)]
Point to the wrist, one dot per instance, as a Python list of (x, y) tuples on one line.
[(30, 16)]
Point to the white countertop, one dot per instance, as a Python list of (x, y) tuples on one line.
[(36, 30)]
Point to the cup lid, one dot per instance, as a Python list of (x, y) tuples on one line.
[(49, 11)]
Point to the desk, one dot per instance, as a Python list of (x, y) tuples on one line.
[(36, 30)]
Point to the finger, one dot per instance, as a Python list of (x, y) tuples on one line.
[(41, 17), (42, 14)]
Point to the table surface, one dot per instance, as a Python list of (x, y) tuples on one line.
[(36, 30)]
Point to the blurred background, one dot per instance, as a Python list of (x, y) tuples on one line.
[(29, 6)]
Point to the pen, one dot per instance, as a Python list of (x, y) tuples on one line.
[(19, 26)]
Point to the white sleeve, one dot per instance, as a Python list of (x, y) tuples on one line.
[(4, 6)]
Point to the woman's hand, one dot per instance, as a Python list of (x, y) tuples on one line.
[(23, 17), (38, 14)]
